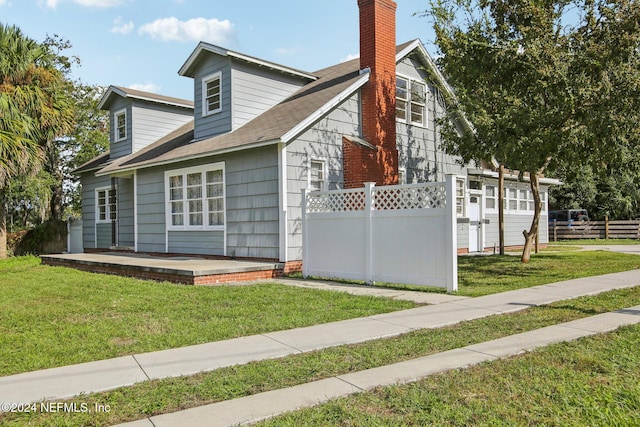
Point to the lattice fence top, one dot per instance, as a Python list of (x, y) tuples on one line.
[(410, 197), (336, 201), (396, 197)]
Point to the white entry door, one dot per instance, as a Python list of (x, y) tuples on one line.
[(475, 240)]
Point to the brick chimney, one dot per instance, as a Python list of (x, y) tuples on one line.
[(378, 53)]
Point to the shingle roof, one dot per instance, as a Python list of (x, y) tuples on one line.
[(96, 163), (267, 128), (142, 95)]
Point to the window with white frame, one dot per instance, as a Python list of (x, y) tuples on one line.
[(106, 205), (460, 195), (520, 200), (211, 94), (317, 175), (411, 99), (195, 198), (490, 197), (120, 125), (402, 176)]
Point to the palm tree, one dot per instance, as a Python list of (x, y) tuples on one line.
[(30, 110)]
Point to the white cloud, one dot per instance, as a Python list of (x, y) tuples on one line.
[(146, 87), (122, 27), (4, 2), (350, 57), (52, 4), (288, 50), (98, 3), (197, 29)]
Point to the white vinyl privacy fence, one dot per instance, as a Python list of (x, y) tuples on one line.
[(395, 234)]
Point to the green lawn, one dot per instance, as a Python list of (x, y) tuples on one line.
[(53, 316), (482, 275), (591, 242), (589, 382), (168, 395), (56, 316)]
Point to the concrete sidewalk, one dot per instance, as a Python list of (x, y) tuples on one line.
[(68, 381), (272, 403)]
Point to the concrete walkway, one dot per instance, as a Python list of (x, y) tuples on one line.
[(272, 403), (68, 381)]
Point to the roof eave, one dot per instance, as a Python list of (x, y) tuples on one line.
[(511, 177), (185, 70), (106, 99), (125, 170)]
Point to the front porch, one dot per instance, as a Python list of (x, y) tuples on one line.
[(190, 270)]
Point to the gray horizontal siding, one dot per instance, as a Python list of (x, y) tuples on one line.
[(124, 147), (213, 124), (253, 203), (255, 90), (418, 147), (125, 212), (201, 242), (89, 184), (322, 141), (151, 216), (463, 235), (252, 206), (103, 234), (151, 122), (513, 227)]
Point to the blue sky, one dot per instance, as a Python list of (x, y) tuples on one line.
[(142, 43)]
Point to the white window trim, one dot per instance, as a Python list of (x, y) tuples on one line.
[(518, 199), (205, 104), (203, 169), (402, 179), (107, 219), (425, 116), (325, 181), (464, 197), (116, 135), (486, 197)]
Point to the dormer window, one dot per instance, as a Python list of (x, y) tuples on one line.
[(211, 94), (120, 120), (411, 101)]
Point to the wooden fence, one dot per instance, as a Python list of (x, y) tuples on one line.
[(622, 229)]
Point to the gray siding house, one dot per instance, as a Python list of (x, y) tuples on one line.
[(223, 175)]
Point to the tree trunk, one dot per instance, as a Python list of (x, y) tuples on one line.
[(3, 224), (501, 208), (54, 168), (531, 235)]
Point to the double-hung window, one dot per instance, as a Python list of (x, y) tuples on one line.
[(106, 204), (120, 125), (317, 175), (411, 101), (491, 197), (195, 198), (212, 94), (460, 195)]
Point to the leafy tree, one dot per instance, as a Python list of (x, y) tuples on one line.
[(32, 109), (89, 138), (544, 83)]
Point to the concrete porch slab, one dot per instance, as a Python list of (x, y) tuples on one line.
[(180, 269)]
